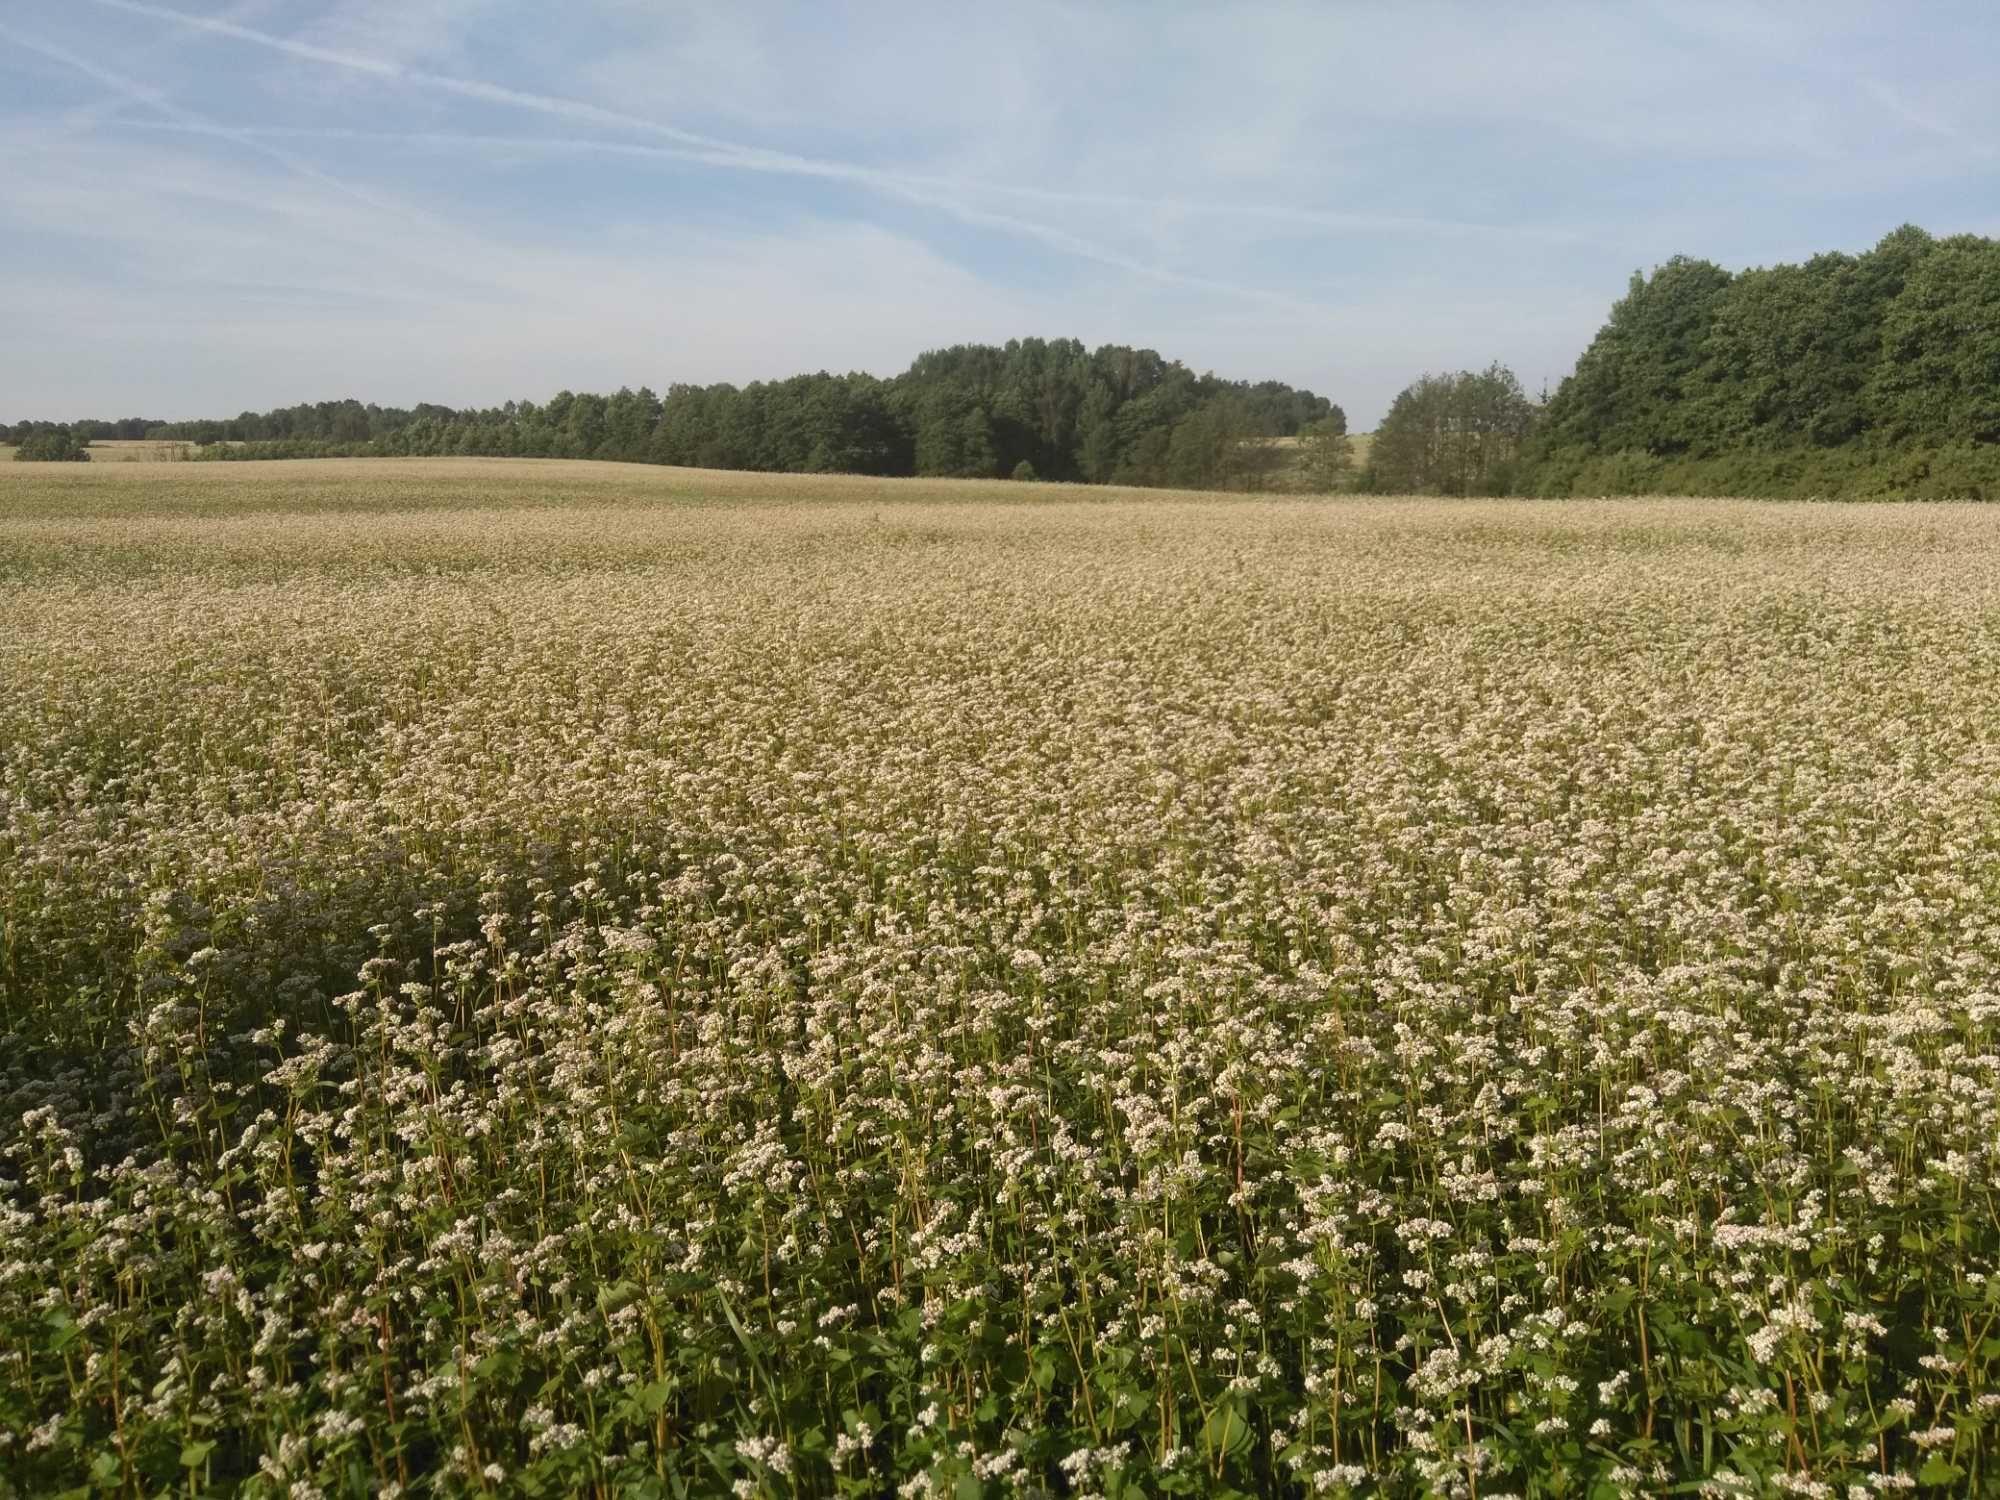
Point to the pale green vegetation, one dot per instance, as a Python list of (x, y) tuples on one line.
[(1299, 470), (139, 451), (524, 979)]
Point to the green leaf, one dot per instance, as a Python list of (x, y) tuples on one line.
[(742, 1337), (64, 1327), (1938, 1469), (195, 1454), (1044, 1369), (1226, 1430)]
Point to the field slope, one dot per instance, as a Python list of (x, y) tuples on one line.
[(523, 978)]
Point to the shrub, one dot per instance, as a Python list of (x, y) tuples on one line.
[(53, 445)]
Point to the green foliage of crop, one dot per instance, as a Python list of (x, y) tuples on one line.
[(535, 980)]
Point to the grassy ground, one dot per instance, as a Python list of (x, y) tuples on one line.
[(524, 978)]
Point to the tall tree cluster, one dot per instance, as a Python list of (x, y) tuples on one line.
[(1855, 375), (1847, 373), (87, 431), (1870, 374), (1111, 415), (52, 445), (1458, 434)]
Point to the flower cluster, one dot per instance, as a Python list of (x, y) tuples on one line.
[(566, 980)]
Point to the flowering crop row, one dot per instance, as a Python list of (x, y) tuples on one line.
[(540, 980)]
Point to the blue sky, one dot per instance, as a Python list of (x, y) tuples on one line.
[(222, 204)]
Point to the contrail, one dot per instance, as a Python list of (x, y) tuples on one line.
[(86, 116), (716, 151), (192, 123), (911, 189), (758, 159), (470, 88)]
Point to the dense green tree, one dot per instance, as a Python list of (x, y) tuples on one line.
[(1631, 385), (629, 420), (1113, 413), (1142, 430), (1779, 358), (1097, 452), (686, 432), (954, 435), (1218, 446), (1456, 434), (52, 445), (89, 430), (1327, 456), (1747, 384), (1939, 371)]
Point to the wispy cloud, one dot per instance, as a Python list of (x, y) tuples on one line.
[(85, 117), (1893, 101), (951, 195), (384, 68), (918, 187), (133, 91), (929, 192), (253, 288), (457, 194)]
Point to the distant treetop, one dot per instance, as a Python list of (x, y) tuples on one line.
[(1108, 415), (1898, 345), (52, 445)]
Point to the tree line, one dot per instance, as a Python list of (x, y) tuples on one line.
[(1870, 374), (1043, 408), (1846, 376), (69, 442), (1856, 375), (128, 429)]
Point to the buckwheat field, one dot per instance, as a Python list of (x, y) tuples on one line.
[(538, 979)]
